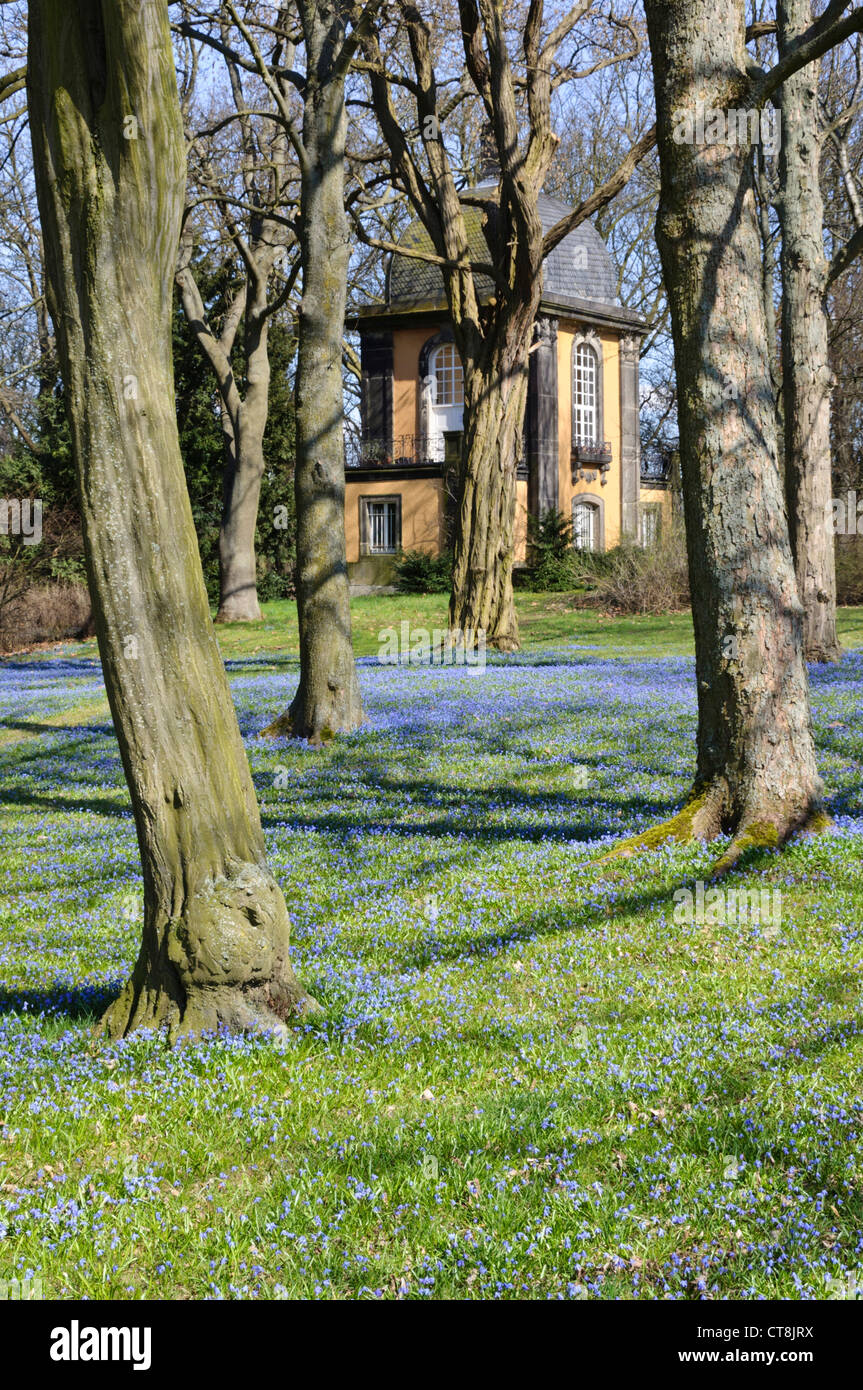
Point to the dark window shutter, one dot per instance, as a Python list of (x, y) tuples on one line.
[(376, 360)]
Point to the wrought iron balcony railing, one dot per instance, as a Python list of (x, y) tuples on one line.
[(402, 451)]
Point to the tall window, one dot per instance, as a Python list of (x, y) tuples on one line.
[(382, 525), (585, 525), (650, 524), (585, 372), (448, 375)]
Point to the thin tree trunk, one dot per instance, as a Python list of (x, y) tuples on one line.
[(110, 174), (243, 475), (328, 700), (806, 374), (244, 422), (756, 773), (768, 271)]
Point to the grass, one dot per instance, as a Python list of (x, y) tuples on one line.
[(544, 620), (530, 1081)]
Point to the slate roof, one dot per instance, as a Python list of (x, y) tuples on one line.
[(579, 268)]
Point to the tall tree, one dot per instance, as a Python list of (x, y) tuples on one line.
[(248, 181), (493, 335), (806, 374), (756, 773), (110, 169), (328, 33)]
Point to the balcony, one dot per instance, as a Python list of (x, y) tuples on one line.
[(592, 453), (407, 451), (403, 451), (658, 467)]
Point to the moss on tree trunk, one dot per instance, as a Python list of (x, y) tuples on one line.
[(110, 174)]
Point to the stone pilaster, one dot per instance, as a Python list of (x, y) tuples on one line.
[(630, 441), (542, 420)]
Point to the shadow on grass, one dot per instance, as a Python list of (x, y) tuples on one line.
[(78, 1003)]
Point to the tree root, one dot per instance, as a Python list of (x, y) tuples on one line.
[(702, 819), (754, 835), (321, 722), (506, 642), (699, 819), (282, 727), (223, 964), (286, 727)]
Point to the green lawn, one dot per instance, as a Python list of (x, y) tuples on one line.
[(544, 620)]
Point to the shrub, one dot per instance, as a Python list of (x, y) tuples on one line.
[(551, 562), (635, 579), (43, 596), (419, 572), (48, 612)]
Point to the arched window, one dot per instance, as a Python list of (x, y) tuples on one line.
[(448, 376), (587, 523), (585, 395)]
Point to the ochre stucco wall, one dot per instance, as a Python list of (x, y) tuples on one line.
[(521, 521), (422, 511), (610, 493), (407, 345), (657, 496)]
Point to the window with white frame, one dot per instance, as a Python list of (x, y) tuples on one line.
[(448, 375), (382, 528), (585, 395), (586, 525)]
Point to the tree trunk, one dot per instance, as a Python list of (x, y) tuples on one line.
[(756, 773), (806, 374), (482, 596), (110, 173), (328, 698), (244, 422), (242, 476)]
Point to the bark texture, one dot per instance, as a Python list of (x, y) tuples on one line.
[(327, 700), (806, 374), (484, 540), (756, 773), (110, 172)]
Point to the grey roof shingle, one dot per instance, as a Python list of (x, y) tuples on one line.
[(579, 267)]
